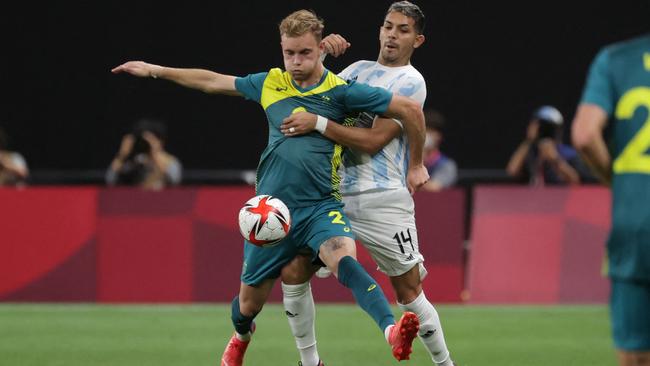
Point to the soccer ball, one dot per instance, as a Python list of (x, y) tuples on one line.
[(264, 220)]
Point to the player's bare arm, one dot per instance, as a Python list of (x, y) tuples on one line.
[(368, 140), (402, 108), (587, 137), (408, 111), (410, 114), (199, 79)]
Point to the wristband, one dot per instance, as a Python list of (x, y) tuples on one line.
[(321, 124)]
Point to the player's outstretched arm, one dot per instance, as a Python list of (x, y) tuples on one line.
[(587, 138), (204, 80), (368, 140)]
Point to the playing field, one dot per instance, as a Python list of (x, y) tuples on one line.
[(194, 335)]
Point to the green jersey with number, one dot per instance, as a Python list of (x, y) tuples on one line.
[(619, 82)]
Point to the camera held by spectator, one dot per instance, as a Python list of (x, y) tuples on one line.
[(142, 160), (542, 158)]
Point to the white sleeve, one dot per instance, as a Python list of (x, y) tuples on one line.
[(413, 87), (345, 74)]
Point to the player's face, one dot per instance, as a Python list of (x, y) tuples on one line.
[(398, 39), (301, 56)]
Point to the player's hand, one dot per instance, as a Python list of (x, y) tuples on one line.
[(335, 44), (138, 68), (416, 177), (298, 124)]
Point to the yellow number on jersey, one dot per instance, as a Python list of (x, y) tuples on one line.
[(633, 158), (337, 217)]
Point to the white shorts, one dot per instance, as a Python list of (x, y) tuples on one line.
[(384, 222)]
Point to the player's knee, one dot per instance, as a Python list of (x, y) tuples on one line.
[(406, 295), (248, 307), (339, 247), (297, 271)]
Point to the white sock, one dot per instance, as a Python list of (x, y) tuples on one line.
[(430, 332), (299, 307), (243, 337), (387, 332)]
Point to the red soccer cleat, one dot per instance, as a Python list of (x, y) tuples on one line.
[(234, 352), (402, 335), (233, 355)]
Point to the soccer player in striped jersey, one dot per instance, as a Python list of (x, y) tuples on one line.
[(375, 187), (617, 92), (302, 172)]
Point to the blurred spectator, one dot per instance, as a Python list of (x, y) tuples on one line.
[(13, 167), (443, 172), (542, 158), (142, 159)]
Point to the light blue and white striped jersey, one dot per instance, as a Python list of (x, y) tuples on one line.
[(387, 169)]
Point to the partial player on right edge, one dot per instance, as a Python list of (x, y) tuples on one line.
[(617, 92)]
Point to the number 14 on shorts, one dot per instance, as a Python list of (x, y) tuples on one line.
[(402, 239)]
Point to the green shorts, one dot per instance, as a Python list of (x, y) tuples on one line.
[(630, 312), (310, 227)]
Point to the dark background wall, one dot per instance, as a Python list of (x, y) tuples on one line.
[(487, 67)]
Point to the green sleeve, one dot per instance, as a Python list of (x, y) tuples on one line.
[(363, 98), (251, 85), (598, 88)]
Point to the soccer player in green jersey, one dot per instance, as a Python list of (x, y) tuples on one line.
[(618, 91), (302, 172)]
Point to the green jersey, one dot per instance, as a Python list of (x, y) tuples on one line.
[(619, 82), (302, 171)]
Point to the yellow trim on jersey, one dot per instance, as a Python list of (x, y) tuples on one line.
[(646, 61), (278, 86), (336, 178)]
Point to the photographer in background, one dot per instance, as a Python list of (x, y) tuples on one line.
[(542, 158), (13, 168), (142, 159)]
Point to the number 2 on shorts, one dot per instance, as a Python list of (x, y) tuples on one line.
[(337, 217)]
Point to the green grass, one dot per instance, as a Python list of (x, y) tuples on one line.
[(195, 335)]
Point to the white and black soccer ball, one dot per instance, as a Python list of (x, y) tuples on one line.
[(264, 220)]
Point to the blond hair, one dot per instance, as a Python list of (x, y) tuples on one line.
[(300, 22)]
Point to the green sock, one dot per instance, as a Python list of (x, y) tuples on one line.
[(366, 291)]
